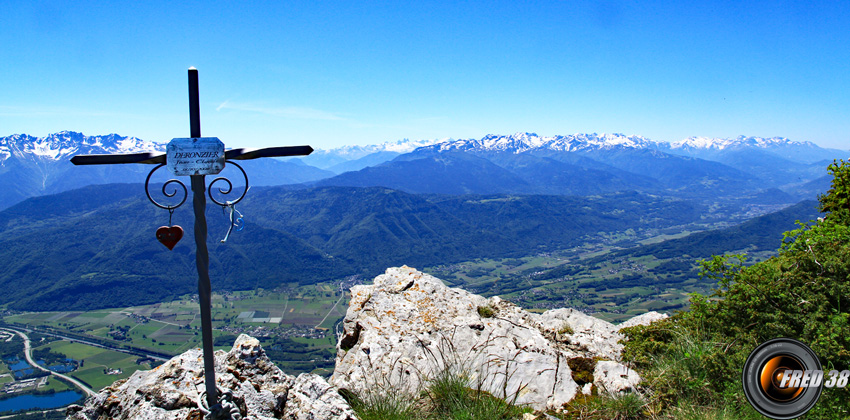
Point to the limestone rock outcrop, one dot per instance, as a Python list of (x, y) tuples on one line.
[(408, 327), (258, 389), (400, 332)]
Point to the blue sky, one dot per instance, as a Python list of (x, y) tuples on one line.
[(336, 73)]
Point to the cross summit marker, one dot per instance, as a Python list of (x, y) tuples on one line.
[(197, 157)]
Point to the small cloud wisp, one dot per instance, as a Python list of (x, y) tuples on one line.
[(296, 112)]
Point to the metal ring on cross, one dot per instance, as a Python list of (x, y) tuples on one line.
[(165, 191), (225, 409), (228, 188)]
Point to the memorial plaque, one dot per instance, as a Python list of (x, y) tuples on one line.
[(195, 156)]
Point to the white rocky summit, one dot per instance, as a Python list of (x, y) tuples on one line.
[(401, 332), (408, 327), (259, 389)]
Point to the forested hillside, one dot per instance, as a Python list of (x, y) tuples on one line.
[(95, 247)]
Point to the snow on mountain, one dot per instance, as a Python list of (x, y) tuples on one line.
[(357, 152), (65, 144), (704, 147), (347, 158), (522, 142), (723, 149), (738, 142)]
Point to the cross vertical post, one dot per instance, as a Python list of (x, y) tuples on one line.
[(208, 152), (202, 257)]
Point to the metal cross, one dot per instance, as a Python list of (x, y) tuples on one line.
[(199, 188)]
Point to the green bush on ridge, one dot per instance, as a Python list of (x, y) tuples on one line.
[(696, 357)]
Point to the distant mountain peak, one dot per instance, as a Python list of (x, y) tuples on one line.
[(738, 142), (398, 146), (64, 144), (522, 142), (526, 141)]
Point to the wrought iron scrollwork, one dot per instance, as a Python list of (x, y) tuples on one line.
[(165, 191), (236, 220), (228, 189)]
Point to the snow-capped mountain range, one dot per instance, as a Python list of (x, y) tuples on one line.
[(31, 166), (65, 144), (523, 142), (344, 158), (400, 146), (352, 158), (68, 143), (738, 142), (587, 164)]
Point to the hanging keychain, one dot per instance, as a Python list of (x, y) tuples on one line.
[(239, 223), (171, 234)]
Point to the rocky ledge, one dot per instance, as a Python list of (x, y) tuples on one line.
[(257, 388), (409, 328), (399, 334)]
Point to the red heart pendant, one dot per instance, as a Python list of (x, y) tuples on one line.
[(169, 236)]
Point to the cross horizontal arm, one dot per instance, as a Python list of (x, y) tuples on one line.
[(147, 157), (152, 158), (245, 154)]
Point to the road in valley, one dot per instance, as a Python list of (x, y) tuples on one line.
[(134, 351), (28, 355)]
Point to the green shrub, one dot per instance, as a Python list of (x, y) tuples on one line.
[(486, 311), (803, 293), (677, 363)]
